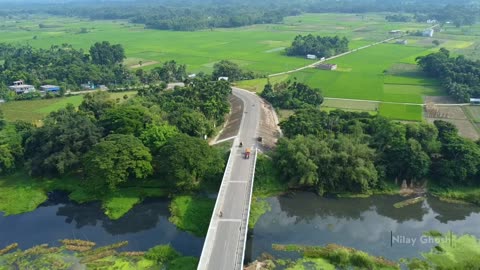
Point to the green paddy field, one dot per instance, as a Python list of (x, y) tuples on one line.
[(384, 73)]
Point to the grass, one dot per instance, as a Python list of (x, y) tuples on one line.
[(457, 194), (401, 112), (191, 214), (257, 47), (33, 111), (20, 193), (267, 182), (338, 256), (257, 209), (473, 113)]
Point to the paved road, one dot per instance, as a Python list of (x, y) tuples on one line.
[(224, 246), (343, 54)]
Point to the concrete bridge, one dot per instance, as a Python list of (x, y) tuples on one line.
[(224, 247)]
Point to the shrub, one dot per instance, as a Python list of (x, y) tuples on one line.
[(162, 254)]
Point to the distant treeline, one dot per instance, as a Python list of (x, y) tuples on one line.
[(317, 45), (457, 15), (191, 15), (458, 75)]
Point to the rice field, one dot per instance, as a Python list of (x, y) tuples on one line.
[(384, 73), (259, 48)]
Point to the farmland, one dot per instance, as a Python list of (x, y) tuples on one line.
[(258, 48), (34, 111), (384, 73)]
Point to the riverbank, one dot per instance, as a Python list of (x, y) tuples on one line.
[(20, 193), (457, 194)]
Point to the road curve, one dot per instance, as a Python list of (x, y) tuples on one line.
[(224, 246)]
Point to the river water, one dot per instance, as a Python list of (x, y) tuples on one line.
[(144, 226), (372, 224)]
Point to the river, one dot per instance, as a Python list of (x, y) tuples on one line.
[(369, 224), (144, 226)]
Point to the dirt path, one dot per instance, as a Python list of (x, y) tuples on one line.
[(342, 54), (149, 63)]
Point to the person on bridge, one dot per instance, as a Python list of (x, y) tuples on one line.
[(221, 214), (241, 144)]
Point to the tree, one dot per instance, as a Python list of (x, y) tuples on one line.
[(116, 159), (229, 69), (436, 42), (103, 53), (191, 122), (329, 165), (3, 122), (57, 146), (292, 96), (155, 136), (186, 162), (97, 103), (126, 119)]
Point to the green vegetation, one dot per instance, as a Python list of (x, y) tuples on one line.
[(98, 151), (337, 256), (20, 193), (451, 252), (87, 254), (290, 95), (258, 48), (409, 202), (457, 194), (257, 209), (61, 65), (458, 75), (192, 214), (318, 46), (267, 182), (345, 152)]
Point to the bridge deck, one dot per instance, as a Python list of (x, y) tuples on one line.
[(226, 238)]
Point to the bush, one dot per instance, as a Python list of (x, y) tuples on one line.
[(361, 260), (162, 254)]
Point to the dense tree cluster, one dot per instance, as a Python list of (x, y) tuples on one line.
[(63, 65), (231, 70), (170, 71), (458, 75), (317, 45), (356, 152), (69, 68), (109, 144), (292, 95), (398, 18)]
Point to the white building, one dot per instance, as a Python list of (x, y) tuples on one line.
[(311, 56), (21, 88), (428, 33), (192, 76), (432, 21), (223, 79)]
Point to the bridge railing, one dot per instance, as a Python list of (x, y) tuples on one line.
[(210, 238), (242, 241)]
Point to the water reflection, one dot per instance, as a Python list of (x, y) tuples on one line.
[(366, 224), (144, 226)]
